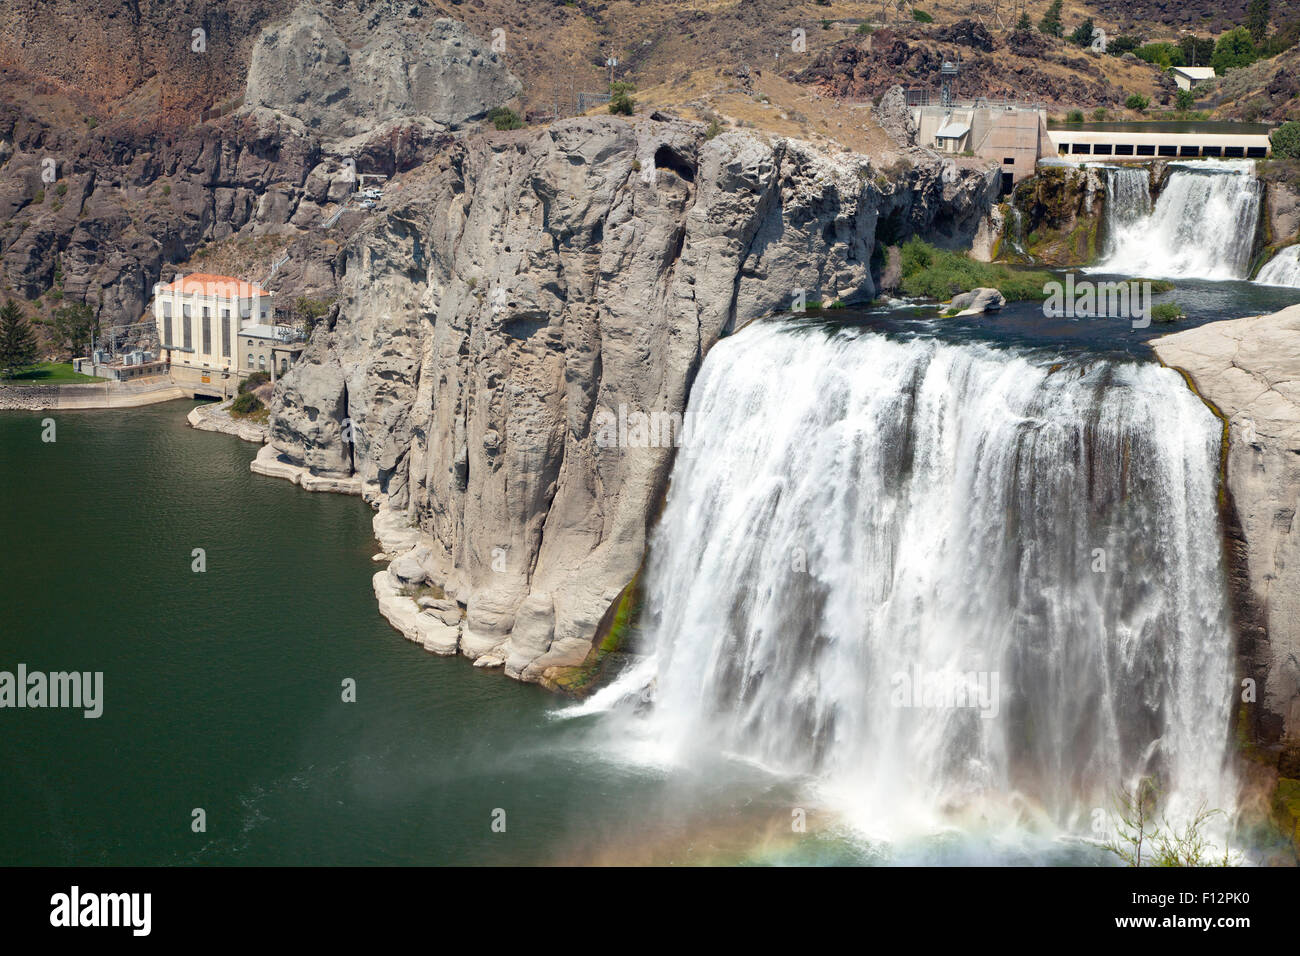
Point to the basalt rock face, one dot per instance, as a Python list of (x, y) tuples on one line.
[(1249, 368), (511, 316), (306, 68)]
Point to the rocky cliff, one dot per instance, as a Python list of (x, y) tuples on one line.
[(1249, 369), (517, 334)]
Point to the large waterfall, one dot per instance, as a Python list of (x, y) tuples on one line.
[(941, 583), (1202, 225), (1283, 269)]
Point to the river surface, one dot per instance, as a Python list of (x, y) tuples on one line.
[(222, 689)]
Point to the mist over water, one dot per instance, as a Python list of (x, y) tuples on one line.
[(1202, 224), (857, 515)]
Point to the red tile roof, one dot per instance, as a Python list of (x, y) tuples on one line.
[(208, 284)]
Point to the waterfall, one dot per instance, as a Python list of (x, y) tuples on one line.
[(940, 581), (1202, 225), (1282, 269), (1128, 200)]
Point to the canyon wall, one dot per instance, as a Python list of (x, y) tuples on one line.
[(1249, 369), (511, 304)]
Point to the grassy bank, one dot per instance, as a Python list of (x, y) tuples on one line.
[(49, 373), (941, 274)]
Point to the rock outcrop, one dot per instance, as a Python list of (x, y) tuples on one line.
[(436, 72), (1250, 370), (539, 292)]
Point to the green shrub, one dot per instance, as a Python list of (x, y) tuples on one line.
[(920, 16), (941, 274), (39, 197), (1167, 312), (254, 380), (714, 129), (1074, 116), (1184, 100), (1082, 35), (1163, 55), (61, 189), (1123, 44), (1234, 49), (503, 118), (620, 100), (245, 403), (1286, 141), (1100, 114), (1136, 101), (864, 29)]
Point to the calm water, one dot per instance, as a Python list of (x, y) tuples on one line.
[(223, 689)]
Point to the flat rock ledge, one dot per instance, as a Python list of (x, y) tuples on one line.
[(434, 622), (270, 463), (217, 418)]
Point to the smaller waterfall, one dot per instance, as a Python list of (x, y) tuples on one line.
[(1202, 225), (1283, 269), (1128, 200)]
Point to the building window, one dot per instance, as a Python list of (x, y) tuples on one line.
[(187, 327), (250, 359), (207, 331), (284, 365), (167, 328), (225, 333), (261, 363), (1009, 161)]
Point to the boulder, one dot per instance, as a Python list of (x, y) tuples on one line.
[(978, 301)]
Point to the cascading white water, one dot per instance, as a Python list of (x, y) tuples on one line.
[(1202, 225), (1128, 200), (1283, 269), (854, 513)]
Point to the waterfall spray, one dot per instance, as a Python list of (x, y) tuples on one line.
[(941, 581)]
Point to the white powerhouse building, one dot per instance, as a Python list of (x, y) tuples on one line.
[(212, 323)]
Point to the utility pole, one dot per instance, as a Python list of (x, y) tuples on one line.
[(611, 62)]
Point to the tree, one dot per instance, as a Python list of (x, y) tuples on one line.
[(17, 341), (1257, 13), (1082, 35), (503, 118), (1051, 22), (1234, 49), (1024, 23), (74, 325), (1196, 52), (1184, 100), (620, 100), (1137, 101), (1286, 141)]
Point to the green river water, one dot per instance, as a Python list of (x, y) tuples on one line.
[(223, 689)]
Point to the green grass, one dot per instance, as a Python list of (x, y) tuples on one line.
[(1167, 312), (50, 373), (941, 274)]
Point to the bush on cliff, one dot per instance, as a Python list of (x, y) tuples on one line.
[(245, 404), (941, 274), (1286, 141), (504, 118)]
